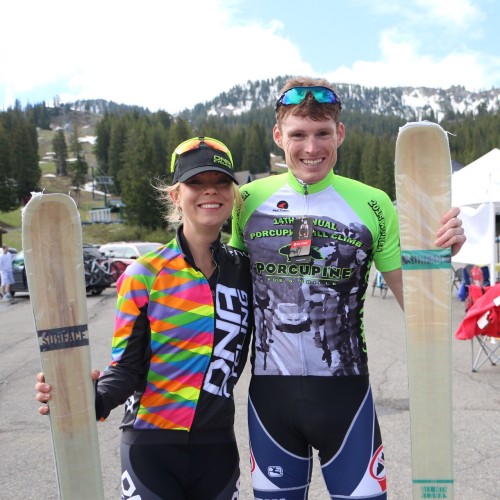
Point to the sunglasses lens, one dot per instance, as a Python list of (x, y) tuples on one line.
[(187, 146), (324, 95), (296, 95), (191, 144), (215, 144)]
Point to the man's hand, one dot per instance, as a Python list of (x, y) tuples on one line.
[(451, 233)]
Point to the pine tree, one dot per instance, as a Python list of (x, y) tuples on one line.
[(8, 194), (78, 168), (368, 164), (137, 176), (24, 156), (103, 138), (254, 158), (385, 166), (60, 153), (236, 144), (116, 149)]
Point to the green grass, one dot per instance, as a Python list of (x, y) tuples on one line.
[(97, 234), (48, 167), (11, 219), (105, 233), (91, 233), (11, 222), (12, 237)]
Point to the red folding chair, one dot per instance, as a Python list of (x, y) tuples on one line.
[(482, 324)]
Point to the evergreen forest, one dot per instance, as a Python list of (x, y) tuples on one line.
[(133, 146)]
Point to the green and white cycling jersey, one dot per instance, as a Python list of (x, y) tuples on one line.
[(309, 316)]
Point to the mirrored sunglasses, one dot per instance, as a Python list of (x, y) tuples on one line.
[(296, 95), (195, 143)]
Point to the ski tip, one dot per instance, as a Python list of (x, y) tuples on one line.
[(39, 198), (420, 125), (41, 202), (34, 197), (423, 131)]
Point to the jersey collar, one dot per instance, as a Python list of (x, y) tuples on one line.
[(184, 247), (299, 186)]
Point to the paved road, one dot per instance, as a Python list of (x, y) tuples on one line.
[(27, 470)]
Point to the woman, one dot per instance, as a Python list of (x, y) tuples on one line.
[(182, 329)]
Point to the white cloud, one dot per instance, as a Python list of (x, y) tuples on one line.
[(155, 54), (192, 65), (172, 55), (452, 13), (456, 14), (401, 64)]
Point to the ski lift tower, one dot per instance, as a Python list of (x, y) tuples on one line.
[(105, 181)]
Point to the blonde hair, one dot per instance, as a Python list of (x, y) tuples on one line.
[(309, 107), (172, 212)]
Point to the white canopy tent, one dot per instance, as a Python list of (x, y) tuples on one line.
[(476, 190)]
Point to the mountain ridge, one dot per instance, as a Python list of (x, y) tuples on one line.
[(406, 102), (411, 103)]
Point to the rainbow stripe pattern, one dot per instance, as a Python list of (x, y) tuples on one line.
[(180, 314)]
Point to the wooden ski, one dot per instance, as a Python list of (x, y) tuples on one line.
[(52, 244), (423, 192)]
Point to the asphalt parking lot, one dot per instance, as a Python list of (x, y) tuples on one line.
[(27, 470)]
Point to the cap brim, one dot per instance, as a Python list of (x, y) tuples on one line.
[(199, 170)]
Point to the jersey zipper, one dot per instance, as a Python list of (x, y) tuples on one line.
[(305, 368), (306, 196), (214, 277)]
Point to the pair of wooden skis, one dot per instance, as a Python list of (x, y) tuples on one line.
[(54, 265)]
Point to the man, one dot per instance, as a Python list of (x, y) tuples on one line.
[(310, 388), (6, 274)]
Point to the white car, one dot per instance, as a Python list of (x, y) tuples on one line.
[(126, 252)]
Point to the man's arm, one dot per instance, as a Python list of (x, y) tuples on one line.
[(394, 280)]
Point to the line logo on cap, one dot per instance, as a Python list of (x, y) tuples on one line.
[(222, 161)]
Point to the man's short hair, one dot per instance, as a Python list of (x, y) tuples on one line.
[(309, 107)]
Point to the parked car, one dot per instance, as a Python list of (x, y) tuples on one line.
[(100, 273), (91, 251), (20, 282), (125, 252)]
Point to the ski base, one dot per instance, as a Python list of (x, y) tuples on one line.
[(423, 187), (52, 244)]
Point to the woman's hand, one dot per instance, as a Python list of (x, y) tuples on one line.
[(44, 391)]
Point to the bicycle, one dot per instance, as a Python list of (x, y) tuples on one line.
[(100, 274), (379, 283), (114, 268)]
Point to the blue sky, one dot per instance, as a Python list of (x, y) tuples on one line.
[(172, 55)]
